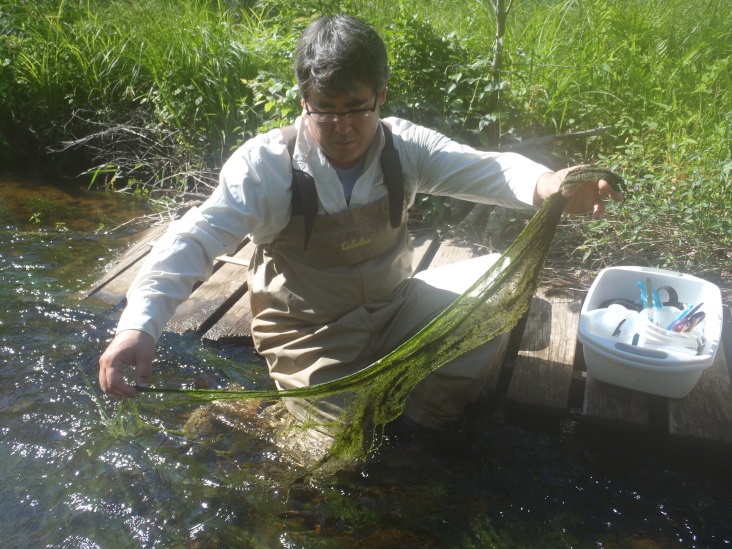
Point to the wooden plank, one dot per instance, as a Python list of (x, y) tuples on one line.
[(425, 242), (132, 258), (610, 404), (233, 260), (114, 291), (542, 372), (235, 325), (213, 297), (706, 412), (112, 287), (452, 250)]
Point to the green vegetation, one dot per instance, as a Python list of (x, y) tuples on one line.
[(155, 94)]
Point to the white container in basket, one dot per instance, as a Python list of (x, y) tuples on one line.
[(656, 360)]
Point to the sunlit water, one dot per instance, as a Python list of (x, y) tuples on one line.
[(76, 470)]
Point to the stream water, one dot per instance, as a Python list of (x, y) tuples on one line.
[(80, 470)]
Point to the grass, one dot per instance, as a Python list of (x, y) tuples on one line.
[(156, 94)]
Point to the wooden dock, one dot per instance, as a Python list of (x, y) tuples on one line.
[(544, 371)]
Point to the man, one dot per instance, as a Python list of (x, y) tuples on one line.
[(330, 278)]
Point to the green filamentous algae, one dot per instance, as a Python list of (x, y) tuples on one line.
[(492, 306)]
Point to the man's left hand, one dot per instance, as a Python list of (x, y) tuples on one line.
[(586, 197)]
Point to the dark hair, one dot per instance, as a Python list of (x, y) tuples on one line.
[(336, 51)]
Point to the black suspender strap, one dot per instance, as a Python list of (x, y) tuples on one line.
[(289, 134), (305, 194), (391, 167)]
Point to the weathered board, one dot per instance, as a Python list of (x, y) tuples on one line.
[(706, 412), (112, 287), (212, 298), (543, 370), (614, 405), (452, 251), (426, 242), (234, 325)]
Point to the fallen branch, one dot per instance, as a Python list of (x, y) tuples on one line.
[(553, 138)]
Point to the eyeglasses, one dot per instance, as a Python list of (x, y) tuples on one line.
[(331, 117)]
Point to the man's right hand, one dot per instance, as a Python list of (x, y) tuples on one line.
[(128, 348)]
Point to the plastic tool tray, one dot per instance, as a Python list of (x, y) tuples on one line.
[(658, 342)]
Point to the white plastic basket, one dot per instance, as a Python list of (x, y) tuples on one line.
[(644, 356)]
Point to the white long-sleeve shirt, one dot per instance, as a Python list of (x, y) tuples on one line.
[(253, 200)]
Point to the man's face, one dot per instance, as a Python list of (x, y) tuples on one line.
[(347, 138)]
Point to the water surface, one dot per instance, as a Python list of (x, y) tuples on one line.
[(81, 470)]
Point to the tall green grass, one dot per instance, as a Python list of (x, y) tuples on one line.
[(659, 73), (161, 90), (172, 71)]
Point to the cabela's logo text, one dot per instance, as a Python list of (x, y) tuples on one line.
[(362, 236)]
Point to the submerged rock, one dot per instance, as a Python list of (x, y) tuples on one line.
[(300, 445)]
